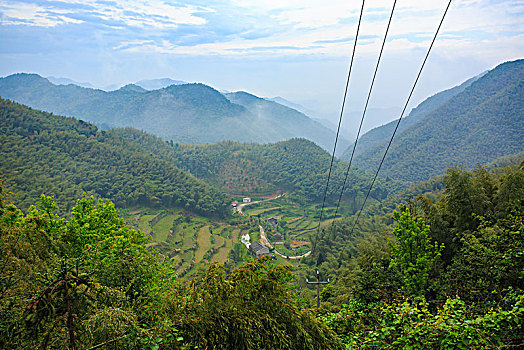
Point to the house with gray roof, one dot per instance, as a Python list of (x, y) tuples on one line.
[(258, 249)]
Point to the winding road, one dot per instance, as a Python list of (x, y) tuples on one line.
[(264, 241)]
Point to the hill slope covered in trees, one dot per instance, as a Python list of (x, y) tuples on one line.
[(482, 122), (64, 157), (44, 153), (380, 135), (442, 271), (298, 166)]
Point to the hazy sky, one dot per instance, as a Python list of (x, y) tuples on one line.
[(297, 49)]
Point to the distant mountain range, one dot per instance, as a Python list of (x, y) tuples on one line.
[(375, 116), (67, 81), (187, 113), (155, 84), (287, 120), (476, 122), (293, 105), (147, 84)]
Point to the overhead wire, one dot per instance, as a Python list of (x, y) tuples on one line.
[(401, 116), (340, 118), (363, 115)]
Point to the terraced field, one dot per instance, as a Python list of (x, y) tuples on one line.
[(191, 242), (294, 219), (163, 228), (204, 243)]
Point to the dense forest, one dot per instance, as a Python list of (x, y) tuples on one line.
[(298, 166), (65, 157), (43, 153), (478, 124), (444, 271), (448, 275), (380, 135)]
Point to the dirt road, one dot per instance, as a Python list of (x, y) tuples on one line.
[(242, 205)]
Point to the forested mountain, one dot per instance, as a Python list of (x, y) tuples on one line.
[(64, 157), (47, 153), (380, 135), (443, 272), (188, 113), (338, 246), (297, 166), (479, 124)]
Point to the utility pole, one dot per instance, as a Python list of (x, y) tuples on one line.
[(318, 283)]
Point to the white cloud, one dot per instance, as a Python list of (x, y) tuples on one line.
[(292, 26), (33, 15), (130, 44), (153, 13)]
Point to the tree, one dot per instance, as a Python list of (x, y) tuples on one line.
[(414, 253), (252, 308)]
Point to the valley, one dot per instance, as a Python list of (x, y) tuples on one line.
[(175, 233), (192, 242), (261, 175)]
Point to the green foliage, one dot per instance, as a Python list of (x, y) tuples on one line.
[(491, 261), (412, 325), (60, 276), (88, 281), (413, 253), (297, 165), (43, 153), (252, 308), (462, 272)]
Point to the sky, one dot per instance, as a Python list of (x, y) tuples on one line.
[(296, 49)]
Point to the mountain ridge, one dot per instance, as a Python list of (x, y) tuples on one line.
[(381, 134), (187, 113), (480, 123)]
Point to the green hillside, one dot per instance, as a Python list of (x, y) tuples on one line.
[(443, 269), (64, 157), (479, 124), (340, 244), (187, 113), (297, 166), (88, 281), (446, 273), (377, 137)]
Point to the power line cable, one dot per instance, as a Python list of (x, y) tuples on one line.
[(363, 115), (340, 118), (401, 116)]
